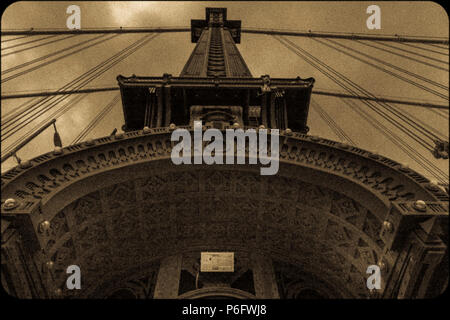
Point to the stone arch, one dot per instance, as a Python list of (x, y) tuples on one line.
[(91, 196)]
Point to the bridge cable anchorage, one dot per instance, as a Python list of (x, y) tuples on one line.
[(27, 42), (25, 64), (403, 56), (397, 76), (350, 36), (397, 140), (80, 82), (37, 46), (55, 115), (94, 122), (337, 130)]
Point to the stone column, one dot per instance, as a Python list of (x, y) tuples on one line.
[(416, 264), (264, 277), (168, 280)]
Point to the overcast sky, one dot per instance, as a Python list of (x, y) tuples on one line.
[(264, 55)]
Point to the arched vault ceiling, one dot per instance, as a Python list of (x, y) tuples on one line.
[(130, 223)]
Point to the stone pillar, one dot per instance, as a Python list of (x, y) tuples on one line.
[(264, 277), (417, 263), (415, 234), (168, 279)]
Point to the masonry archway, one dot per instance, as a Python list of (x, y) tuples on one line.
[(120, 207)]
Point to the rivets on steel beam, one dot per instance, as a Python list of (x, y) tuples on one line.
[(57, 151), (10, 204), (382, 265), (58, 292), (404, 167), (288, 132), (49, 265), (433, 186), (44, 226), (25, 164), (374, 154), (236, 125), (89, 142), (420, 205), (172, 126), (146, 130), (388, 226)]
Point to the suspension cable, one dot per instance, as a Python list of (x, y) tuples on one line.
[(37, 45), (115, 59), (441, 114), (436, 93), (28, 42), (394, 139), (55, 115), (413, 52), (436, 46), (410, 133), (392, 110), (350, 36), (56, 59), (76, 80), (403, 56), (412, 74), (437, 134), (93, 123), (17, 38), (419, 158), (424, 49), (47, 56), (338, 131)]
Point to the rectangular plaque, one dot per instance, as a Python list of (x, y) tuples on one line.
[(217, 262)]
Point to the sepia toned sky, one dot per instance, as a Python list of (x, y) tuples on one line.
[(263, 54)]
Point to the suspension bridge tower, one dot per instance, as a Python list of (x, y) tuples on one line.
[(139, 226), (215, 86)]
